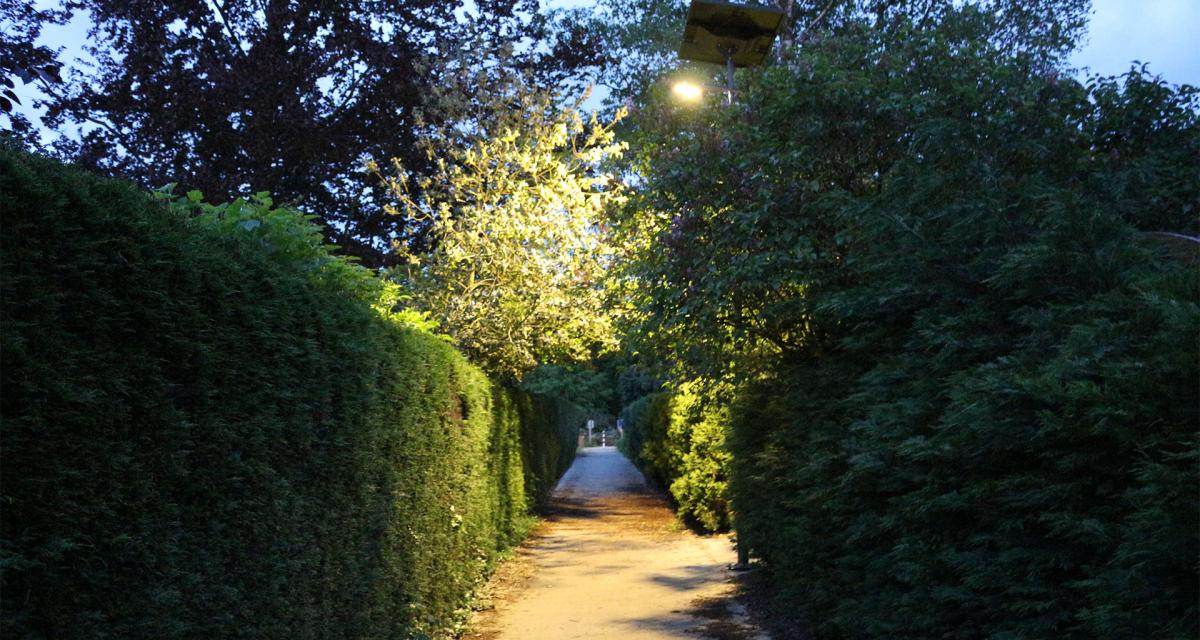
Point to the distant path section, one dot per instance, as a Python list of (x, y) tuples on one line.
[(611, 562)]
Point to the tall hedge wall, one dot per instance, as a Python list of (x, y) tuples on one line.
[(993, 428), (209, 430), (678, 440), (962, 290)]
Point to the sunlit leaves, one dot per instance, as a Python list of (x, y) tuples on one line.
[(515, 207)]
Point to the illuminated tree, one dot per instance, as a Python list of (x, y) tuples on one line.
[(513, 206)]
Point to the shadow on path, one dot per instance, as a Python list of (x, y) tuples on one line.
[(611, 561)]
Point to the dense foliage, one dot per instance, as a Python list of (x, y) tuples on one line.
[(943, 299), (238, 96), (635, 41), (605, 385), (587, 386), (970, 365), (514, 207), (678, 440), (214, 428)]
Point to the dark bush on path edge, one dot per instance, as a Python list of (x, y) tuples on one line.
[(211, 427), (992, 429)]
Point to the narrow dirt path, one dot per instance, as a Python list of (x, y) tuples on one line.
[(611, 562)]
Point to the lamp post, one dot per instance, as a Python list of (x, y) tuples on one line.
[(735, 36), (728, 34)]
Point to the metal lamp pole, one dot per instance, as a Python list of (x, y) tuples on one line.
[(728, 51)]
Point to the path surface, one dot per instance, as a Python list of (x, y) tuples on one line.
[(611, 562)]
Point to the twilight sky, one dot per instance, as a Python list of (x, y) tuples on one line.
[(1165, 33)]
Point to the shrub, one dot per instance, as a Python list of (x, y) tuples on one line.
[(212, 427), (991, 430), (969, 360), (1049, 491), (678, 440), (645, 430)]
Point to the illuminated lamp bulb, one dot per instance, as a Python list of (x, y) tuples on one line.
[(688, 91)]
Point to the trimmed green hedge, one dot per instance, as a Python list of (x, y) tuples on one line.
[(678, 440), (213, 428)]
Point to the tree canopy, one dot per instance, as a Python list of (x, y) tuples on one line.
[(234, 97), (22, 59), (928, 259), (514, 204)]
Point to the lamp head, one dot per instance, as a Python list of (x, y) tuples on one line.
[(726, 33)]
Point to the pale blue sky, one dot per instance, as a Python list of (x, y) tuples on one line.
[(1165, 33)]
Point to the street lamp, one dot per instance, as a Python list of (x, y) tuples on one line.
[(730, 34), (737, 36)]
